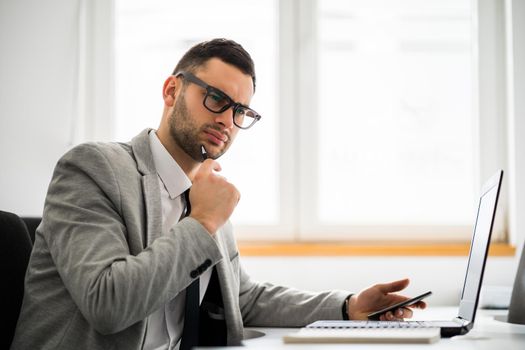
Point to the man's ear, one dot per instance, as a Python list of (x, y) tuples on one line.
[(169, 90)]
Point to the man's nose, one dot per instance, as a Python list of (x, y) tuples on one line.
[(225, 118)]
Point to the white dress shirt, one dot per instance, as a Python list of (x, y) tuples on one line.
[(165, 325)]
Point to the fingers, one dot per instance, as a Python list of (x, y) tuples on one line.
[(213, 198), (209, 165), (419, 305), (403, 313), (238, 195), (397, 314), (395, 286)]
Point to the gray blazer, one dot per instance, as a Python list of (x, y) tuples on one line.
[(100, 265)]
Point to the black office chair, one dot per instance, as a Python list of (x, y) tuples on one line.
[(32, 223), (15, 249)]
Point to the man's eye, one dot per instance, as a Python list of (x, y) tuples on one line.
[(216, 98)]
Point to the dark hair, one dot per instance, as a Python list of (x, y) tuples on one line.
[(226, 50)]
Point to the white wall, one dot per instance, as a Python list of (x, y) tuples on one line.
[(443, 276), (38, 89)]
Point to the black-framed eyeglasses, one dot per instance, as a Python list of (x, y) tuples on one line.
[(217, 101)]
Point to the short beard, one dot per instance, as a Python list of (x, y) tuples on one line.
[(185, 132)]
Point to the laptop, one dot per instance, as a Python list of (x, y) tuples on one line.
[(461, 324)]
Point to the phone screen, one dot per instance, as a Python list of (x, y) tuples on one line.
[(375, 315)]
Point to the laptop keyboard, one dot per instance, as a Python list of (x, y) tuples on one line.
[(371, 324)]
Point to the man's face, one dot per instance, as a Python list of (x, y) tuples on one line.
[(192, 125)]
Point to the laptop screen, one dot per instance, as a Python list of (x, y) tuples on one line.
[(479, 247)]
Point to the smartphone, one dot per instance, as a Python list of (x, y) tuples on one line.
[(375, 315)]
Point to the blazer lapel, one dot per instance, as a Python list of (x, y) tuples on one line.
[(150, 185)]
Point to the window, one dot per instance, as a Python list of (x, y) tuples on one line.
[(369, 129), (394, 124)]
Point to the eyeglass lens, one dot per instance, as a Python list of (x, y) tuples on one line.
[(243, 117)]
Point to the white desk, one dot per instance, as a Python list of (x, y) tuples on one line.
[(488, 334)]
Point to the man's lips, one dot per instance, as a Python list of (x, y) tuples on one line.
[(216, 137)]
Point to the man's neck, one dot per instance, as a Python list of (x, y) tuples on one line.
[(187, 164)]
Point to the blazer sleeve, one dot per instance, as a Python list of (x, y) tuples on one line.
[(267, 305), (88, 226)]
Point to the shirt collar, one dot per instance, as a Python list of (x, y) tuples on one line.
[(169, 171)]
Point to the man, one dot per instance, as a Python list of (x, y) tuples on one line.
[(119, 258)]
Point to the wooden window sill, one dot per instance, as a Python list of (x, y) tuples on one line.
[(366, 249)]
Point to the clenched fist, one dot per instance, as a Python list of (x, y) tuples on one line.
[(212, 197)]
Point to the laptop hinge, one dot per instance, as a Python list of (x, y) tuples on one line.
[(461, 321)]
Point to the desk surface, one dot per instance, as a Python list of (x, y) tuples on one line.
[(489, 333)]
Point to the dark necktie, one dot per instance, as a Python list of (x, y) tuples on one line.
[(190, 333)]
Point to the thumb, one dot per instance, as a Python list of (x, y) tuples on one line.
[(395, 286)]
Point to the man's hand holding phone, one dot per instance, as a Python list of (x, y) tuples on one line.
[(375, 316), (382, 297)]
